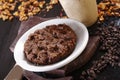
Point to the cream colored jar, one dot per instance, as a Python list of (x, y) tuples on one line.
[(84, 11)]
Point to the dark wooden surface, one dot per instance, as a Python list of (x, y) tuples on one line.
[(6, 38), (8, 32)]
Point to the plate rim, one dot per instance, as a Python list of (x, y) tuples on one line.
[(58, 63)]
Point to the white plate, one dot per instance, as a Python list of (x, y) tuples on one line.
[(82, 39)]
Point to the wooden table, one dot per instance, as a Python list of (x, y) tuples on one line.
[(8, 33)]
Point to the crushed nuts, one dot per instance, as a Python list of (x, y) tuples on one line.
[(108, 7), (23, 8), (6, 8), (28, 8)]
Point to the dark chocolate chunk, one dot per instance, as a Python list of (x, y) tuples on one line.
[(32, 76)]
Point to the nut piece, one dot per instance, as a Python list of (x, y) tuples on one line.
[(24, 8), (28, 8), (108, 7), (6, 8)]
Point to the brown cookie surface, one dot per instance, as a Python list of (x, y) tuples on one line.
[(50, 45)]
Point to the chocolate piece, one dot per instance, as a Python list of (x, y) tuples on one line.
[(55, 73), (32, 76)]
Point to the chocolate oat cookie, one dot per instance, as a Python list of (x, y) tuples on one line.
[(50, 45)]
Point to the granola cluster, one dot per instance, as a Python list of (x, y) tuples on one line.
[(28, 8), (6, 9), (109, 8), (23, 8)]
